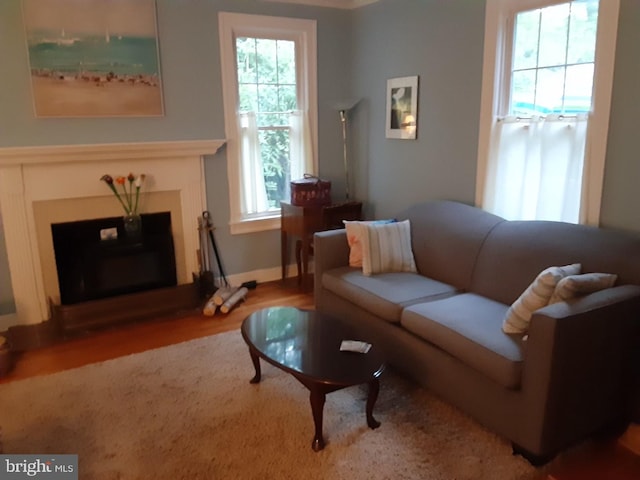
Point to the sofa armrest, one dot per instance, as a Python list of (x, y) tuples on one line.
[(577, 362), (330, 250)]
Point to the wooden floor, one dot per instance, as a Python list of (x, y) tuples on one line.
[(605, 461), (121, 340)]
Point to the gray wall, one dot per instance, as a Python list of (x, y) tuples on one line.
[(621, 197), (439, 40)]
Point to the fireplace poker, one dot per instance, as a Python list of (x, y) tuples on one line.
[(205, 264), (206, 216)]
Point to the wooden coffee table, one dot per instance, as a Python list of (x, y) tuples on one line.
[(306, 344)]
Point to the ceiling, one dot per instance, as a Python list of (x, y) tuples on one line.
[(347, 4)]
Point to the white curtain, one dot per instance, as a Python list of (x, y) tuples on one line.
[(300, 146), (535, 168), (254, 193)]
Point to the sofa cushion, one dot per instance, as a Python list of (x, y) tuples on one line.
[(573, 286), (469, 327), (536, 295), (386, 294), (387, 248)]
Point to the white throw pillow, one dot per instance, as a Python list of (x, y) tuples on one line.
[(354, 238), (536, 296), (387, 248), (575, 285)]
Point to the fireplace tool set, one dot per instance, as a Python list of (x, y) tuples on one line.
[(225, 297)]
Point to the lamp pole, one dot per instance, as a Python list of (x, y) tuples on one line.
[(343, 120)]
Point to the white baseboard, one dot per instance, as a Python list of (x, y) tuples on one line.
[(263, 275)]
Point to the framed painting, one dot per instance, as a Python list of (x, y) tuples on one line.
[(93, 58), (402, 108)]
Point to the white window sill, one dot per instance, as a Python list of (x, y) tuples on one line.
[(255, 225)]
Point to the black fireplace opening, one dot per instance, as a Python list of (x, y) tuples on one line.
[(99, 259)]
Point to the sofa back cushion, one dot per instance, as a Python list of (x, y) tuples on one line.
[(446, 238), (516, 251)]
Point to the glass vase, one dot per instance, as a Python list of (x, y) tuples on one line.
[(132, 224)]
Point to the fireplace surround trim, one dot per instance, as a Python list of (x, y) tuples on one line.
[(26, 173)]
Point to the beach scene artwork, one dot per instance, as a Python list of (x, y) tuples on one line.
[(93, 58)]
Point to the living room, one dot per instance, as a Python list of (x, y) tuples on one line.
[(359, 49)]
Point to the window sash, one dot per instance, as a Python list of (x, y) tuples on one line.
[(537, 68)]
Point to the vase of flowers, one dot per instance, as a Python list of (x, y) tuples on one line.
[(129, 198), (132, 224)]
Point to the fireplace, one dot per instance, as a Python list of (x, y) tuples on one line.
[(45, 185), (97, 258)]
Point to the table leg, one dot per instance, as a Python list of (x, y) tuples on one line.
[(374, 388), (256, 364), (306, 242), (283, 253), (317, 406)]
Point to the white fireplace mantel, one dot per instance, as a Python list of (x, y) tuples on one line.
[(47, 173), (107, 152)]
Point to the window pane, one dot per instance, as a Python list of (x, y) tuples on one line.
[(267, 66), (550, 89), (525, 52), (248, 97), (582, 31), (268, 98), (578, 88), (274, 147), (287, 98), (553, 35), (272, 119), (286, 62), (523, 93), (246, 60)]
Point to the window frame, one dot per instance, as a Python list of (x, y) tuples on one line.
[(498, 44), (304, 33)]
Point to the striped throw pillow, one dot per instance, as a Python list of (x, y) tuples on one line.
[(536, 296), (354, 234), (387, 248), (576, 285)]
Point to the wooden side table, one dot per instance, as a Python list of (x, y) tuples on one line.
[(303, 222)]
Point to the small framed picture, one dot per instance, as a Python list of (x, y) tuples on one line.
[(402, 108)]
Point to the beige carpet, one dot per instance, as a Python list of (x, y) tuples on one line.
[(187, 411)]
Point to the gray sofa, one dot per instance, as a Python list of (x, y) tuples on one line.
[(569, 378)]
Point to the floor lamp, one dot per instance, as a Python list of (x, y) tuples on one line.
[(343, 109)]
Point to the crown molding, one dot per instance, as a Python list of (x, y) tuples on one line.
[(344, 4)]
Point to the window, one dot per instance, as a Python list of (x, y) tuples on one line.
[(553, 59), (270, 105), (545, 107)]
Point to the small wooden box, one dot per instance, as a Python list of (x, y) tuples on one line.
[(310, 191)]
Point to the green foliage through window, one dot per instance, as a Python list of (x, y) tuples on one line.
[(267, 86)]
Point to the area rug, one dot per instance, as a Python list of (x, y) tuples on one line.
[(188, 411)]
